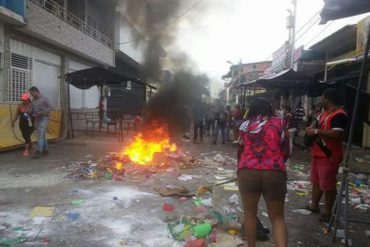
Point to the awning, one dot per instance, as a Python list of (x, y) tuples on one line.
[(285, 79), (336, 9), (97, 76)]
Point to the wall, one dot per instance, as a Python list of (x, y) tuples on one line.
[(127, 32), (2, 74), (50, 28)]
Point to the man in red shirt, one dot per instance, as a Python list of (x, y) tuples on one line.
[(327, 152)]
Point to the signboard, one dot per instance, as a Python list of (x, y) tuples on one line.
[(280, 59)]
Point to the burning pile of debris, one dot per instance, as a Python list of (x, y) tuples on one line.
[(150, 152)]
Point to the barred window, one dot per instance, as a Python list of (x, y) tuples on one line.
[(19, 76)]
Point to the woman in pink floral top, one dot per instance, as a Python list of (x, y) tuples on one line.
[(261, 169)]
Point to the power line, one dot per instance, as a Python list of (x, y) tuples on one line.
[(166, 25), (316, 15), (322, 31)]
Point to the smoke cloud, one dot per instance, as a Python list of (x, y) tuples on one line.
[(158, 20)]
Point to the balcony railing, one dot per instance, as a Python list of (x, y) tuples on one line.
[(64, 15)]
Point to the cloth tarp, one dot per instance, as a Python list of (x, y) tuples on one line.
[(86, 78), (9, 139), (289, 80), (336, 9), (97, 76)]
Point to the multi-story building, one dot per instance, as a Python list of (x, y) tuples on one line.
[(42, 40), (241, 74)]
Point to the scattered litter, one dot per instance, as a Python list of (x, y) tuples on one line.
[(302, 211), (234, 199), (77, 202), (73, 216), (301, 194), (367, 233), (197, 201), (173, 191), (168, 207), (42, 212), (265, 214), (219, 158), (207, 202), (12, 241), (231, 187), (196, 243), (202, 230), (185, 178)]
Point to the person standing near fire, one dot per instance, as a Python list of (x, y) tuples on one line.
[(101, 108), (326, 152), (41, 109), (199, 114), (261, 169), (237, 121), (24, 113), (290, 126)]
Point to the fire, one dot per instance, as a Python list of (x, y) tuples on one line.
[(119, 166), (145, 145)]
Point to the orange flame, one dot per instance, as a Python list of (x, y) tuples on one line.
[(144, 146)]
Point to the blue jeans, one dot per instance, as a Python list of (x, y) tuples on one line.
[(41, 128), (219, 128)]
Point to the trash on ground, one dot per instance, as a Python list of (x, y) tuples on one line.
[(302, 211), (4, 241), (73, 216), (42, 212), (185, 178)]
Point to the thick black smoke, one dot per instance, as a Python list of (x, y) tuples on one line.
[(173, 103)]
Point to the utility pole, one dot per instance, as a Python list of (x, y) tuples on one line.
[(291, 25)]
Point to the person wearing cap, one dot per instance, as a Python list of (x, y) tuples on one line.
[(25, 122), (41, 109)]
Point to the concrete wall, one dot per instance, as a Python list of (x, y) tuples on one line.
[(127, 32), (2, 72), (50, 28)]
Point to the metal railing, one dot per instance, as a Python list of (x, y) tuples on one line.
[(64, 15)]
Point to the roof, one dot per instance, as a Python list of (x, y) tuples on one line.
[(297, 82), (343, 36), (336, 9)]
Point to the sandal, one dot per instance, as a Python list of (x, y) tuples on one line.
[(313, 210)]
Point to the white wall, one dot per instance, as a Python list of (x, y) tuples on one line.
[(127, 32), (83, 98)]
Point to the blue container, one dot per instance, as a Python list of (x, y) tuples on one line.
[(17, 6)]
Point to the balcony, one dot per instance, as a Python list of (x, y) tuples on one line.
[(64, 15), (12, 12), (49, 21)]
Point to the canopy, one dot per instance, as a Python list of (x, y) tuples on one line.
[(336, 9), (86, 78), (285, 79)]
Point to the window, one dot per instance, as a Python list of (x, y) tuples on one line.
[(19, 77)]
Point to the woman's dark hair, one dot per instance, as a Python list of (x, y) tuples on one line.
[(259, 107)]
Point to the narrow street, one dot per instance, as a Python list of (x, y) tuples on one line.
[(85, 212)]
